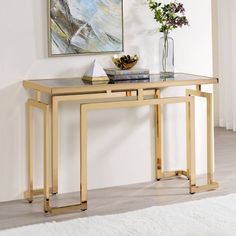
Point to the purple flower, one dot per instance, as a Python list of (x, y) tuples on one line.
[(170, 16), (180, 8)]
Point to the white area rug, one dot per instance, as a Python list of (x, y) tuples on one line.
[(213, 216)]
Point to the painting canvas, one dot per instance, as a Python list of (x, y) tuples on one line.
[(85, 26)]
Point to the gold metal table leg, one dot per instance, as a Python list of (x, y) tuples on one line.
[(160, 174), (46, 158), (83, 154), (209, 140), (190, 138), (211, 184), (30, 151), (45, 108), (158, 138), (83, 163), (54, 143), (157, 102)]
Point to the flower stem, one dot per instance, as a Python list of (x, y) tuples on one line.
[(165, 53)]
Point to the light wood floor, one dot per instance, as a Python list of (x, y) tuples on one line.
[(132, 197)]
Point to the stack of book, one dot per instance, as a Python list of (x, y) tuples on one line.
[(132, 74)]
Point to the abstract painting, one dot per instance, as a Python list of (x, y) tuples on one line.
[(85, 26)]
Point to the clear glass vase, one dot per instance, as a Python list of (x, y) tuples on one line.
[(166, 48)]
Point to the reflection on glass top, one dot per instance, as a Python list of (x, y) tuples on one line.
[(78, 82)]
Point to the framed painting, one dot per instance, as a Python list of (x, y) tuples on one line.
[(78, 27)]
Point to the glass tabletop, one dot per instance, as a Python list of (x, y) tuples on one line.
[(78, 82)]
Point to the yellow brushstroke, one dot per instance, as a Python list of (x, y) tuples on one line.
[(56, 29), (104, 8)]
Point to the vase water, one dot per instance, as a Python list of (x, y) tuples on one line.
[(166, 49)]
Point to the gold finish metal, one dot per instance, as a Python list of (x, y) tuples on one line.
[(54, 132), (169, 174), (96, 79), (136, 86), (83, 155), (136, 103), (128, 93), (140, 94), (198, 87), (28, 84), (209, 140), (35, 192), (126, 64), (38, 96), (188, 142), (106, 97), (67, 209), (54, 143), (47, 190), (84, 97), (55, 90), (158, 101), (204, 188), (30, 151), (158, 138), (210, 181), (190, 129), (191, 172), (44, 107), (46, 158)]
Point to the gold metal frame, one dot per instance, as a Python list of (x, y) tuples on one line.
[(45, 108), (160, 174), (156, 102), (211, 184), (138, 95), (31, 84), (55, 101), (30, 193)]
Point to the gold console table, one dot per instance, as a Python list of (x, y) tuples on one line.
[(106, 96)]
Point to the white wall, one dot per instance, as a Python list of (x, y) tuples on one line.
[(121, 149), (227, 58)]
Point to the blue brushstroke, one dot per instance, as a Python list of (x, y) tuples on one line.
[(106, 26)]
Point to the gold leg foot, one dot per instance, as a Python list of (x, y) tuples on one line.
[(169, 174), (67, 209), (35, 192), (204, 188), (46, 205)]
